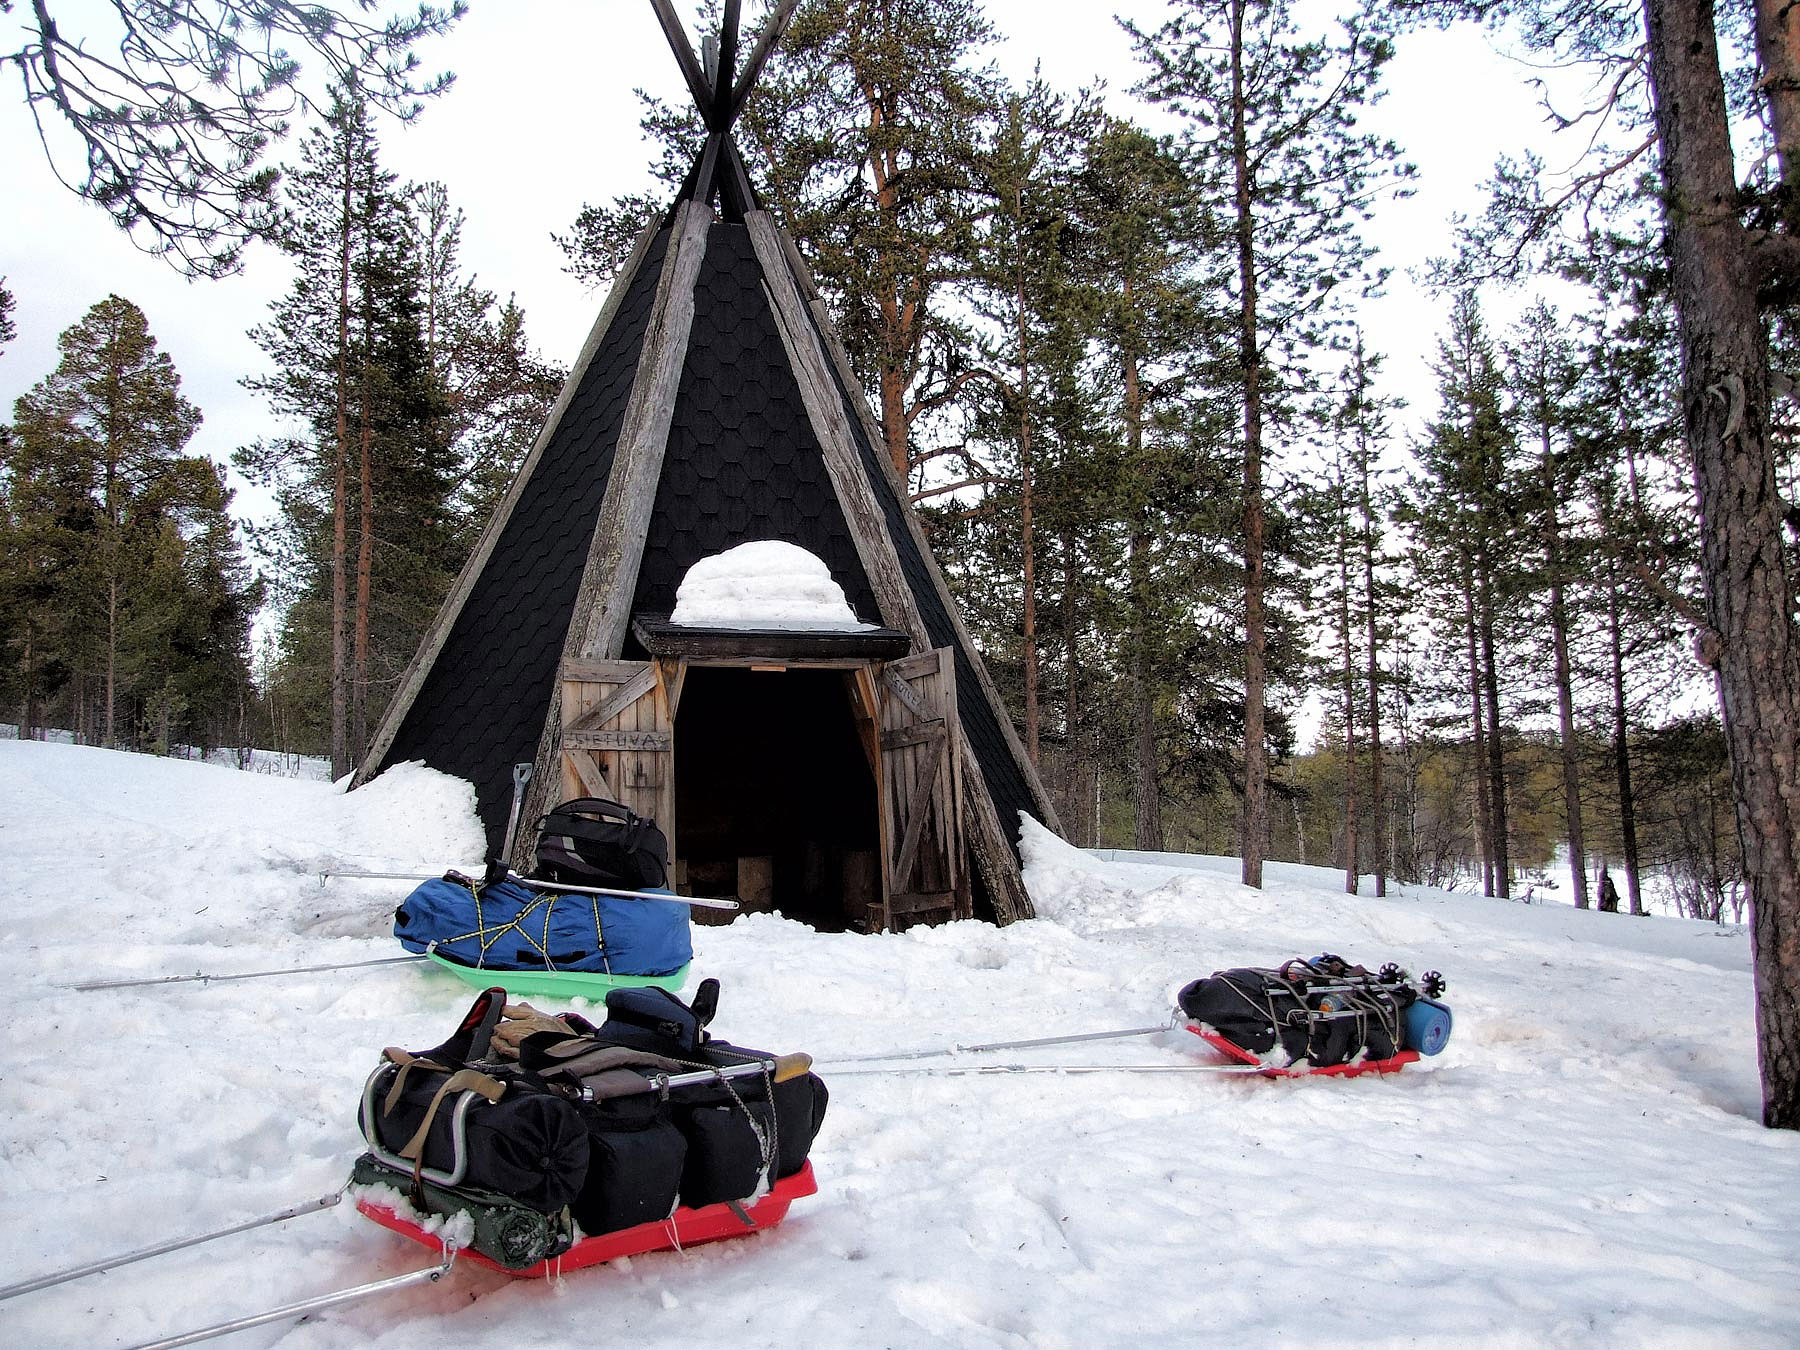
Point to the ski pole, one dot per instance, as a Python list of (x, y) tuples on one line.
[(533, 883), (145, 1253), (1034, 1043), (89, 986), (424, 1275)]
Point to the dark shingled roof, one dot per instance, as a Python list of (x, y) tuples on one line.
[(481, 709), (742, 462)]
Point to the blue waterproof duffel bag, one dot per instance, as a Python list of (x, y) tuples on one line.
[(506, 926)]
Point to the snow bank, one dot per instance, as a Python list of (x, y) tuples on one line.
[(1581, 1165), (763, 583)]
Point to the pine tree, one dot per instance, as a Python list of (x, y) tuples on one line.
[(1022, 287), (1137, 231), (115, 541), (168, 131), (1545, 371), (115, 404), (498, 390), (1462, 514), (352, 364), (1276, 135)]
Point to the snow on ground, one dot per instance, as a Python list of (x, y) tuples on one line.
[(1582, 1165)]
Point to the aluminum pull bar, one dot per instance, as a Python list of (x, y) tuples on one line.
[(426, 1275), (145, 1253)]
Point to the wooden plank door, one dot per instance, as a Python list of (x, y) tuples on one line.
[(921, 796), (618, 739)]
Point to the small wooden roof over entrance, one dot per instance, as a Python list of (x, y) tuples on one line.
[(773, 643)]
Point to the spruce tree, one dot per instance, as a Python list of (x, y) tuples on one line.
[(1276, 136)]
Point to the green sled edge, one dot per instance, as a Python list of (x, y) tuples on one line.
[(557, 983)]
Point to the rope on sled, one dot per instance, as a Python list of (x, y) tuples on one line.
[(488, 935)]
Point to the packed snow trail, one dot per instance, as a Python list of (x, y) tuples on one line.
[(1582, 1165)]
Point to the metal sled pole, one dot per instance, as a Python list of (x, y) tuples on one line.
[(1032, 1044), (425, 1275), (561, 889), (693, 902), (91, 985), (959, 1070), (145, 1253)]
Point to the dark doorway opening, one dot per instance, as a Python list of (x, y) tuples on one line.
[(774, 796)]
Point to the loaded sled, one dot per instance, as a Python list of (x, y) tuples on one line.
[(542, 1144), (537, 1145), (1323, 1016), (588, 918)]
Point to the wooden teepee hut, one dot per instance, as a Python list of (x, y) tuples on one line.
[(867, 778)]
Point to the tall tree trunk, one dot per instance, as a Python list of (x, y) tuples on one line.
[(1565, 694), (365, 571), (1027, 545), (1749, 592), (1074, 742), (1496, 748), (1147, 794), (1484, 816), (1346, 645), (1621, 747), (1377, 797), (340, 501), (1256, 760)]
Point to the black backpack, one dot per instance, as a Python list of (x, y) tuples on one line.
[(593, 842)]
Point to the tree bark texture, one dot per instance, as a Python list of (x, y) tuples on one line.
[(1749, 593)]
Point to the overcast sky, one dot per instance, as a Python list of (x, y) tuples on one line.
[(542, 119)]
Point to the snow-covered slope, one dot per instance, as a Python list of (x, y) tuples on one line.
[(1581, 1166)]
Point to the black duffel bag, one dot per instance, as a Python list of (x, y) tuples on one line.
[(593, 842), (739, 1132), (1323, 1021), (474, 1130), (733, 1127)]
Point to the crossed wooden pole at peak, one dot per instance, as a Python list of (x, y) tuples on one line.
[(720, 93)]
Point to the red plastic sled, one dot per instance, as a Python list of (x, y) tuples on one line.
[(685, 1228), (1237, 1052)]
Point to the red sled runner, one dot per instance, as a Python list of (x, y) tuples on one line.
[(1237, 1053), (685, 1228)]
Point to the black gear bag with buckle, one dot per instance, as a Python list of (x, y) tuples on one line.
[(593, 842)]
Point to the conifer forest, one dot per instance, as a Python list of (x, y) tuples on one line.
[(1530, 634)]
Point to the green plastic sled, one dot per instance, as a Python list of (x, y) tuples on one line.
[(556, 983)]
